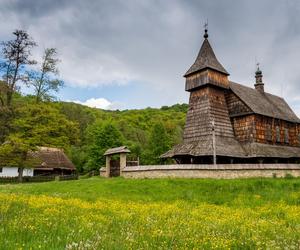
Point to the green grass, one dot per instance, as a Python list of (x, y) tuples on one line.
[(118, 213)]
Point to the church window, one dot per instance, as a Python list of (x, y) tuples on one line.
[(286, 135), (277, 134), (269, 132)]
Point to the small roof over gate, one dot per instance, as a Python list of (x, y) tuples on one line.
[(117, 150)]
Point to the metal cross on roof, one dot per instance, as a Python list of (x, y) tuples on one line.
[(205, 29), (206, 24)]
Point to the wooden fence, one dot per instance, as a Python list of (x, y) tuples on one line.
[(26, 179)]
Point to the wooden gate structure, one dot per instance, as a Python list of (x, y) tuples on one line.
[(114, 167)]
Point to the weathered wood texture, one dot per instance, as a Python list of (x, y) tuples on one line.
[(206, 77), (244, 128), (205, 105), (262, 129), (235, 105), (275, 131)]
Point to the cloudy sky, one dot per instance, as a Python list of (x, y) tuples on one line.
[(132, 54)]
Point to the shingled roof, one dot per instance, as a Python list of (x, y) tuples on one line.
[(206, 59), (225, 146), (50, 158), (264, 103), (118, 150), (254, 149)]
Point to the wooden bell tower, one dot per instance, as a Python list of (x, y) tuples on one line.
[(207, 117)]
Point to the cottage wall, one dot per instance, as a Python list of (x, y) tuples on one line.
[(13, 172)]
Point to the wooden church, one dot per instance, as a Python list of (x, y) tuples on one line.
[(230, 123)]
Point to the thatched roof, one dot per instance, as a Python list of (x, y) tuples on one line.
[(264, 103), (206, 59), (117, 150), (50, 158)]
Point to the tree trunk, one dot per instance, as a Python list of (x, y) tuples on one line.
[(9, 98), (20, 177)]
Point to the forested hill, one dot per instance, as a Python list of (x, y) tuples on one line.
[(85, 133), (27, 122)]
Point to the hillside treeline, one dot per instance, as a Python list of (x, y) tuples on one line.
[(85, 133), (27, 122)]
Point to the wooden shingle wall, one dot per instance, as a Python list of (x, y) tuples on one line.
[(205, 105), (287, 131), (235, 105), (244, 128), (206, 77), (262, 129)]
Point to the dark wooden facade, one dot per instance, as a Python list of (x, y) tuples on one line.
[(249, 125)]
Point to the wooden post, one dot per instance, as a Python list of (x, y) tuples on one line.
[(214, 143), (122, 162), (108, 166)]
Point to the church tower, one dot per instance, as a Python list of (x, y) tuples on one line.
[(230, 123), (208, 132)]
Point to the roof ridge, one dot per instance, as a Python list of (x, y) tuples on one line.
[(265, 104), (265, 93), (206, 59)]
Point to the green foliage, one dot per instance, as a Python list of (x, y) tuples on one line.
[(6, 116), (159, 143), (43, 125), (135, 126), (36, 125), (101, 136), (78, 129), (85, 133), (14, 153)]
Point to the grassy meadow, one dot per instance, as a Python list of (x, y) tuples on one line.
[(117, 213)]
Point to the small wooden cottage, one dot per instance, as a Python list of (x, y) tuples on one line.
[(52, 161), (232, 123), (46, 161)]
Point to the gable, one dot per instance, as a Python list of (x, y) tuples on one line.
[(264, 103), (236, 106)]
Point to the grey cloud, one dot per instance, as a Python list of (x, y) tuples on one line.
[(154, 42)]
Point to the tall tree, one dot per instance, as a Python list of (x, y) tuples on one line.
[(3, 93), (102, 136), (159, 143), (45, 80), (36, 125), (16, 55), (14, 153)]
